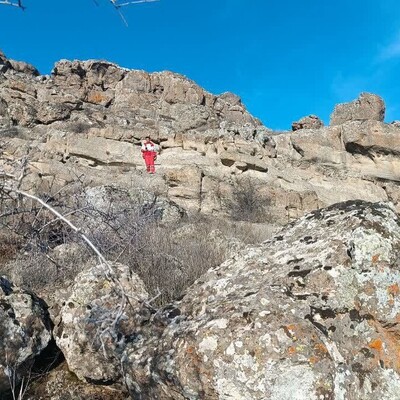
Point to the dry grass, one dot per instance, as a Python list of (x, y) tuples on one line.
[(170, 258), (39, 251)]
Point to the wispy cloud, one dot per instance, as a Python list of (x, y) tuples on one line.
[(349, 86), (390, 51)]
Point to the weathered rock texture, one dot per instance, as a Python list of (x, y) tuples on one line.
[(61, 384), (310, 122), (86, 120), (25, 330), (311, 314), (100, 315), (367, 107)]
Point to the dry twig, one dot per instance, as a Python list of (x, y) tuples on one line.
[(13, 3)]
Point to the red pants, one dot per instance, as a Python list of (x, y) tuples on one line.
[(149, 157)]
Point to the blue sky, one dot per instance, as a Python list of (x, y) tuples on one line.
[(285, 59)]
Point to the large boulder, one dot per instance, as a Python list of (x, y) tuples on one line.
[(311, 314), (25, 330), (23, 67), (367, 107), (309, 122), (100, 314)]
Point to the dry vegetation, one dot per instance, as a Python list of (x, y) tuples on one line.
[(247, 203), (39, 251)]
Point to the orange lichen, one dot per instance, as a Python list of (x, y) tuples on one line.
[(387, 348), (375, 258), (376, 344), (290, 330), (291, 327), (291, 350), (96, 97), (190, 350), (313, 360), (394, 289), (320, 348)]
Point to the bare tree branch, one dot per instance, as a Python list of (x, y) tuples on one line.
[(128, 3), (13, 3), (116, 3), (62, 218)]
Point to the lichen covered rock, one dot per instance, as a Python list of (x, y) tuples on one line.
[(25, 330), (96, 321), (311, 314)]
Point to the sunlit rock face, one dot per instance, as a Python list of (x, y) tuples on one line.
[(87, 118), (309, 122), (311, 314), (367, 106)]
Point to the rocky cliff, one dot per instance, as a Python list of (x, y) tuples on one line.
[(87, 118), (311, 313)]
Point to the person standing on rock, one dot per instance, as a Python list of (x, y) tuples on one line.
[(149, 153)]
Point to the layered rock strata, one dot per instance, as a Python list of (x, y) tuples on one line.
[(87, 118)]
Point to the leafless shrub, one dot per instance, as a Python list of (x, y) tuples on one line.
[(29, 235), (168, 256), (172, 257), (247, 203), (9, 246), (43, 270)]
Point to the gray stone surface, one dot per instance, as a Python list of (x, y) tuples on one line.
[(25, 330), (96, 321), (309, 122), (368, 106), (311, 314)]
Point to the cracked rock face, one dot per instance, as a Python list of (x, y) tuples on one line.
[(24, 331), (313, 313), (95, 323), (367, 107), (86, 120)]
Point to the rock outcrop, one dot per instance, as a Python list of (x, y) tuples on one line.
[(25, 330), (367, 107), (311, 314), (309, 122), (87, 118)]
